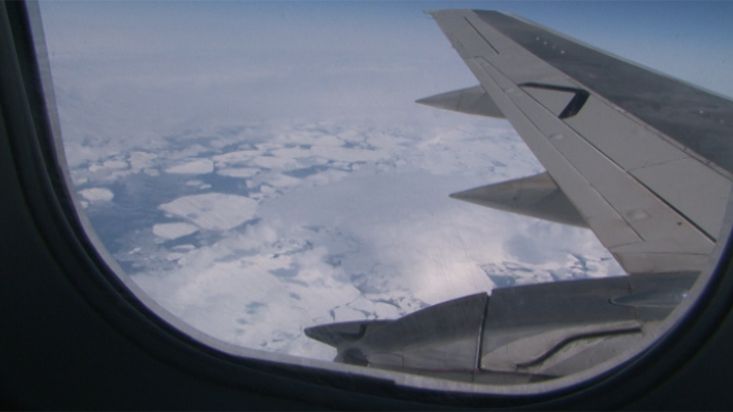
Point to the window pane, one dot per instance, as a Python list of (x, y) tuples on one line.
[(262, 168)]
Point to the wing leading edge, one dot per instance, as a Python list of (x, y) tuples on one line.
[(646, 161)]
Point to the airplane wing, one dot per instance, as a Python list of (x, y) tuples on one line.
[(642, 159)]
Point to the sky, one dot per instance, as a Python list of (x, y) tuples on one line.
[(194, 63), (258, 168)]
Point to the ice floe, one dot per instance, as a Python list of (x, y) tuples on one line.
[(238, 171), (213, 211), (140, 160), (97, 194), (272, 162), (194, 167), (235, 157), (112, 164), (174, 230)]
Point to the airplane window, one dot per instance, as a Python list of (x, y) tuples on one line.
[(262, 172)]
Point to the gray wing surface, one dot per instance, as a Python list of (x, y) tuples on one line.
[(642, 159)]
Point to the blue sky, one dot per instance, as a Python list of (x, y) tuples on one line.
[(690, 40), (132, 70)]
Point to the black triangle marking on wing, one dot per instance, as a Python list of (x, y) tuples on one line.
[(580, 96)]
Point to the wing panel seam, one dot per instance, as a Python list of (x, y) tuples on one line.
[(481, 35)]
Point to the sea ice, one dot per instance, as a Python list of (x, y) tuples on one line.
[(213, 211), (238, 172), (194, 167), (97, 194), (173, 230), (272, 162), (140, 160), (112, 164), (236, 157)]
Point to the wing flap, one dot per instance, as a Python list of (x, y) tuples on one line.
[(678, 181)]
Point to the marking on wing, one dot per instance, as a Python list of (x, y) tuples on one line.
[(658, 234), (613, 132), (642, 229), (593, 206), (579, 97), (698, 121)]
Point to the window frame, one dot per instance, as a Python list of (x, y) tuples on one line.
[(31, 128)]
